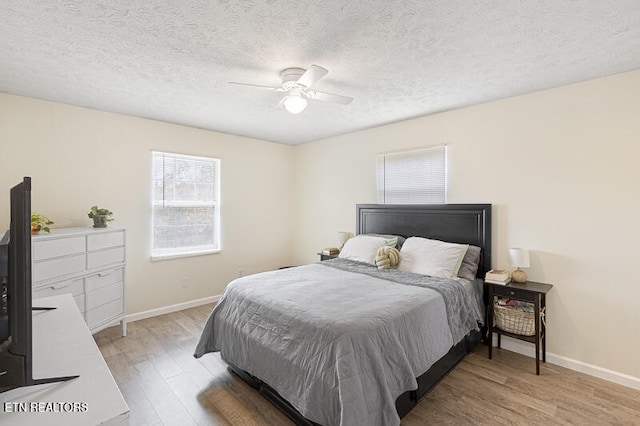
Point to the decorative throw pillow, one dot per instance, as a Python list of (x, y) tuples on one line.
[(431, 257), (387, 258), (470, 262)]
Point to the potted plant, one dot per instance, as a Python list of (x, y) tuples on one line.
[(100, 216), (40, 222)]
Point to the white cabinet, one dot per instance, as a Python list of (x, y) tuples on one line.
[(87, 263)]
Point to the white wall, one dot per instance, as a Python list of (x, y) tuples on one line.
[(79, 157), (560, 168)]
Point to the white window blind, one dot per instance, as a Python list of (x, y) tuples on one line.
[(186, 207), (413, 177)]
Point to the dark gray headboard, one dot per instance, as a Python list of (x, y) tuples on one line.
[(456, 223)]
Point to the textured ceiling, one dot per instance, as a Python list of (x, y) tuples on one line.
[(171, 60)]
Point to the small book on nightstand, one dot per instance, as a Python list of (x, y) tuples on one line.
[(498, 282), (498, 276), (332, 251)]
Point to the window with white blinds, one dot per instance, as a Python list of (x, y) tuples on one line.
[(186, 205), (418, 176)]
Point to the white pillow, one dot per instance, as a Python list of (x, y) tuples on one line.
[(363, 248), (431, 257)]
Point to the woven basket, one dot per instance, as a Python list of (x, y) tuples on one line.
[(513, 320)]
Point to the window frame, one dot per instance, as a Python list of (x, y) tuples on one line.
[(409, 154), (183, 252)]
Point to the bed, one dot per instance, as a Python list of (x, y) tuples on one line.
[(343, 343)]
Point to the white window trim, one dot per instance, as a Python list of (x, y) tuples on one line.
[(168, 254), (194, 253)]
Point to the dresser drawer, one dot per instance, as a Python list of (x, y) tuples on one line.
[(52, 268), (104, 278), (74, 287), (105, 240), (104, 295), (105, 257), (47, 249), (105, 312)]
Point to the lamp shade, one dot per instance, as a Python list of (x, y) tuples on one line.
[(342, 238), (519, 257)]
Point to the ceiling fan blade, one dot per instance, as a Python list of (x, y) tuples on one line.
[(329, 97), (313, 74), (277, 89)]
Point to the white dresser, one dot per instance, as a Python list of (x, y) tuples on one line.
[(89, 264)]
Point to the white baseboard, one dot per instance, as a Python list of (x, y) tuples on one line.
[(529, 350), (172, 308)]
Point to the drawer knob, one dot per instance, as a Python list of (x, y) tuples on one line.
[(104, 274)]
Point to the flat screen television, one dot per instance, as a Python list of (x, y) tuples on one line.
[(15, 301)]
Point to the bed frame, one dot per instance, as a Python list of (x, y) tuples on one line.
[(457, 223)]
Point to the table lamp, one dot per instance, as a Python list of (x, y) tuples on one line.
[(342, 238), (520, 259)]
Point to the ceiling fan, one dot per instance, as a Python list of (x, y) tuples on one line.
[(296, 83)]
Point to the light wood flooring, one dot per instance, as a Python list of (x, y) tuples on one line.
[(164, 385)]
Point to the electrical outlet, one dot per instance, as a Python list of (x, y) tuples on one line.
[(186, 281)]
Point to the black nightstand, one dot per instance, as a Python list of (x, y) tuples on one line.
[(324, 257), (532, 292)]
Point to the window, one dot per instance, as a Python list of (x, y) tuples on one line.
[(186, 205), (413, 177)]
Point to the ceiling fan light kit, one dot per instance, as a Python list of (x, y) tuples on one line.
[(296, 82), (295, 104)]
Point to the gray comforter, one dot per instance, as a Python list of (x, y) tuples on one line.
[(340, 340)]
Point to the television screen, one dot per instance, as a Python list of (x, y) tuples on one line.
[(4, 282), (15, 259)]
